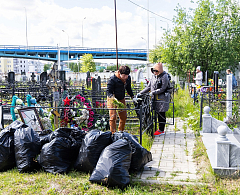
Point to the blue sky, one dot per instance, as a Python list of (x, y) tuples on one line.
[(47, 18)]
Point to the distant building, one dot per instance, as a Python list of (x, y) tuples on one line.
[(19, 65), (35, 66), (6, 65)]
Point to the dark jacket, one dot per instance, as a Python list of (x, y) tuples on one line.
[(158, 86), (117, 88)]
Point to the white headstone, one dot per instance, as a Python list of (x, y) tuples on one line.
[(140, 77), (229, 97)]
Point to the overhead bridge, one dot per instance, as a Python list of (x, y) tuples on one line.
[(50, 53)]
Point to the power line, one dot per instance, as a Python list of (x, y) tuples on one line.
[(149, 11)]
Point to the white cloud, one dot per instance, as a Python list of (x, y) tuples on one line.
[(46, 19)]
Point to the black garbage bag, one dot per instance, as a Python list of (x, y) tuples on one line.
[(45, 136), (61, 152), (61, 132), (76, 137), (140, 156), (113, 165), (27, 146), (14, 125), (7, 155), (93, 144), (56, 156)]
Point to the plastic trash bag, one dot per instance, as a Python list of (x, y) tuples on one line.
[(27, 146), (140, 156), (62, 132), (45, 136), (113, 165), (7, 155), (93, 144), (78, 135), (14, 125), (61, 152), (75, 135), (56, 156)]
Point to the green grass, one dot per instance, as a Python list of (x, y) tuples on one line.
[(13, 182), (147, 141), (182, 105)]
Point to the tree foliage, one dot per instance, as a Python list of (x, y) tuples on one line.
[(209, 37), (75, 67), (46, 67), (88, 64), (112, 68)]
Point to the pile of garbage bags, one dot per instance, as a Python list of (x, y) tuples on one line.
[(108, 157)]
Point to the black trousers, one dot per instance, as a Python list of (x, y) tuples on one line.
[(161, 120)]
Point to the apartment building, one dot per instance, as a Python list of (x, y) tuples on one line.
[(20, 66), (35, 66), (6, 65)]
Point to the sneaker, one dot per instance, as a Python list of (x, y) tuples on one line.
[(158, 133)]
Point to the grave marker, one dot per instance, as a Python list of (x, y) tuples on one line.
[(88, 80), (54, 84), (99, 83), (11, 77), (43, 77), (33, 77)]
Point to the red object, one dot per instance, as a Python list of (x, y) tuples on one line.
[(67, 101), (158, 133)]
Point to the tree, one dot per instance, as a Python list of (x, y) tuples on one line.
[(46, 67), (88, 64), (208, 38), (75, 67), (112, 68)]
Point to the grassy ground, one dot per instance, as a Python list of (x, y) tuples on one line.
[(13, 182)]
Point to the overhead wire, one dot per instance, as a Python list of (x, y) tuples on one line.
[(148, 10)]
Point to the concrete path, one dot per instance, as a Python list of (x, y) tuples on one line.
[(172, 157)]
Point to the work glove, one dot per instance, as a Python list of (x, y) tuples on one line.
[(135, 100)]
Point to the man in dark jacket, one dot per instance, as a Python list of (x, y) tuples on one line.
[(116, 88)]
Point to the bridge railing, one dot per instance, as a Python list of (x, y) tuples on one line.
[(71, 48), (23, 47)]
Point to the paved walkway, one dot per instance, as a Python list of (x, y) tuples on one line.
[(172, 157)]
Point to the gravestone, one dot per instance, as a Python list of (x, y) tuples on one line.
[(215, 80), (88, 80), (94, 91), (24, 78), (94, 84), (229, 97), (11, 77), (33, 77), (98, 83), (54, 84), (62, 75), (140, 77), (43, 77), (206, 78)]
